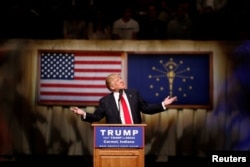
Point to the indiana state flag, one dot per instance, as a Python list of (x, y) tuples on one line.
[(186, 76)]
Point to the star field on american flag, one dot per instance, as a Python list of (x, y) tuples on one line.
[(57, 66)]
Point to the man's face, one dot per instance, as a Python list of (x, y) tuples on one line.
[(127, 14), (117, 83)]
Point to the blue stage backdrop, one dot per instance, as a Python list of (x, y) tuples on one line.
[(185, 75)]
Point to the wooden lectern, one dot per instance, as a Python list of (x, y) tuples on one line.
[(117, 145)]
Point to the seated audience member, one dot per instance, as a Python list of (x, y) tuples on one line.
[(74, 26), (180, 27), (203, 6), (151, 26), (165, 10), (98, 27), (125, 27)]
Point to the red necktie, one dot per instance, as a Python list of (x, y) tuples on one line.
[(125, 111)]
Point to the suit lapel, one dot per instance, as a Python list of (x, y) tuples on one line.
[(113, 107)]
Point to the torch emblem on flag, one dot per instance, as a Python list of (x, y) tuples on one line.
[(171, 70)]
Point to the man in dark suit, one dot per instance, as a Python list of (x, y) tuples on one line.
[(110, 107)]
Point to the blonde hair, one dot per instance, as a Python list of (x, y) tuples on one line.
[(110, 79)]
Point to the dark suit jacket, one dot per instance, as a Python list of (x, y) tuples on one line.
[(107, 108)]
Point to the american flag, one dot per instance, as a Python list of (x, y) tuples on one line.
[(77, 77)]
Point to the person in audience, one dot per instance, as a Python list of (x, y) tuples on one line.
[(203, 6), (125, 27), (151, 26), (98, 27), (111, 108), (74, 25), (181, 26), (166, 11)]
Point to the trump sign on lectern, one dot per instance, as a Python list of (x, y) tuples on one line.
[(120, 136), (117, 145)]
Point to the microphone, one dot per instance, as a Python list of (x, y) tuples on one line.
[(120, 94)]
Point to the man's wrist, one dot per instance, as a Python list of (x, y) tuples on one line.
[(163, 106), (83, 116)]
